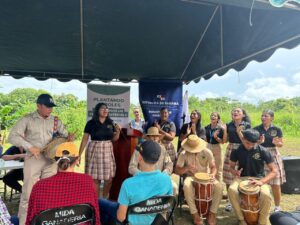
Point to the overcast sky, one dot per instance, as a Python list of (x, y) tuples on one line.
[(275, 78)]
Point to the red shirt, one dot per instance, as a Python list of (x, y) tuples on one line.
[(62, 189)]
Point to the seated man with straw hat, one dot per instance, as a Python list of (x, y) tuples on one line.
[(164, 162), (195, 158)]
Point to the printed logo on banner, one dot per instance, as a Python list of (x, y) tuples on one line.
[(154, 95)]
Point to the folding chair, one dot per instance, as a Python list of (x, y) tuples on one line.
[(159, 204), (68, 215)]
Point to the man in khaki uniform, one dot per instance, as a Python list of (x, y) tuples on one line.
[(194, 158), (164, 162), (251, 159), (33, 132)]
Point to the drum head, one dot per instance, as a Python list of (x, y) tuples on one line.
[(248, 188), (204, 177)]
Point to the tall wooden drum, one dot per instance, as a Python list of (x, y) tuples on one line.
[(203, 193), (249, 201)]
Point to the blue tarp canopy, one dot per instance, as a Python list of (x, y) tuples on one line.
[(140, 39)]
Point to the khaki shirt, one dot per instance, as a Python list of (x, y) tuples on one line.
[(163, 164), (202, 160), (34, 130)]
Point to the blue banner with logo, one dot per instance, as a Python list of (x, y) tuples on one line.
[(154, 95)]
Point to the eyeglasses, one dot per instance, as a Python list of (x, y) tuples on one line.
[(104, 109), (136, 112)]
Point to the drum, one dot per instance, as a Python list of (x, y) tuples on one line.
[(203, 193), (249, 196), (50, 149)]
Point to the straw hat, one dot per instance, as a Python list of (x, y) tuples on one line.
[(193, 144), (153, 131)]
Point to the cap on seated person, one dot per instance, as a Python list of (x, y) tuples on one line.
[(67, 149), (45, 99), (150, 151), (251, 135)]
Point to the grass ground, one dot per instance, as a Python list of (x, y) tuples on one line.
[(182, 216)]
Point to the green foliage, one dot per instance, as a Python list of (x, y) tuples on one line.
[(287, 111), (73, 111), (23, 101)]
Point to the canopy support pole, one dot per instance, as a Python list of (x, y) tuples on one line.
[(81, 40), (221, 34), (199, 42)]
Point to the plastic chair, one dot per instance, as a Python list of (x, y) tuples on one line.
[(68, 215), (159, 204)]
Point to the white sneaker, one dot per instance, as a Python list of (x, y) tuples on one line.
[(277, 209), (228, 207)]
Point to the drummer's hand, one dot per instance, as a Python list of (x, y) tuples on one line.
[(238, 172), (35, 151), (192, 169), (255, 182), (212, 178)]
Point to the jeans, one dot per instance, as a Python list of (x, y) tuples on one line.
[(108, 211), (14, 220)]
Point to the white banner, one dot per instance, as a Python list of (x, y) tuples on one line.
[(117, 98)]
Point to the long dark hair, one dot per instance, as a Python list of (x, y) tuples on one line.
[(198, 124), (96, 112)]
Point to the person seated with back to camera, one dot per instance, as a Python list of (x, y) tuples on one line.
[(13, 176), (251, 158), (146, 183), (66, 188), (194, 158)]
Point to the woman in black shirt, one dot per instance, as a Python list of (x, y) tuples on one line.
[(271, 139), (216, 135), (99, 156), (240, 121)]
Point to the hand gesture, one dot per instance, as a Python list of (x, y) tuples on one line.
[(192, 169), (71, 136), (262, 139), (212, 178), (118, 127), (157, 125), (223, 126), (188, 129), (193, 128), (255, 182), (238, 173), (275, 140), (216, 133), (35, 151)]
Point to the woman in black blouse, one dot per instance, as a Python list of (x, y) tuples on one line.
[(99, 156), (240, 121), (193, 127), (271, 139), (216, 135)]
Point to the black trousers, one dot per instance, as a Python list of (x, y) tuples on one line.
[(12, 177), (285, 218)]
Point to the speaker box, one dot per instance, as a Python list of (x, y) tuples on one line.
[(292, 172)]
